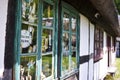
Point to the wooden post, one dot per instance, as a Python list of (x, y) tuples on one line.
[(9, 40)]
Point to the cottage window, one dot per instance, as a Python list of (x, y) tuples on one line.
[(36, 41), (70, 35), (98, 45), (35, 51)]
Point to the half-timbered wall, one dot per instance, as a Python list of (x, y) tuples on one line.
[(84, 35), (104, 61)]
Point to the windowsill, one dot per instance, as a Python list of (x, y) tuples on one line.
[(47, 53), (97, 59), (69, 74)]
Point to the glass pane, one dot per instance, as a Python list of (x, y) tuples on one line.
[(28, 38), (27, 68), (65, 42), (101, 45), (101, 36), (48, 13), (47, 40), (65, 62), (46, 66), (66, 22), (97, 44), (30, 10), (97, 34), (73, 25), (74, 61), (73, 42)]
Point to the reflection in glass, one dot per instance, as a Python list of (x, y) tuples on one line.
[(27, 68), (28, 38), (46, 66), (47, 15), (47, 40), (74, 61), (66, 21), (101, 36), (73, 42), (96, 34), (65, 62), (29, 10), (65, 42), (73, 25)]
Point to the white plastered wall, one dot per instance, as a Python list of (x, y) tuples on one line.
[(113, 53), (104, 61), (91, 52), (84, 31), (3, 19)]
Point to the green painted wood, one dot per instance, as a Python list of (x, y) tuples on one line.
[(55, 38), (39, 40), (16, 53), (72, 13), (78, 38)]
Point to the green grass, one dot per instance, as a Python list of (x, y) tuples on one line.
[(117, 74)]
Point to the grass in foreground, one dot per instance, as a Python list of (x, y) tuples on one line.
[(117, 74)]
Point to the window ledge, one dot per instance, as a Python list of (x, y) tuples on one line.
[(69, 74)]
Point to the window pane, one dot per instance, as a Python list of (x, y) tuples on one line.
[(66, 21), (74, 61), (27, 68), (47, 15), (29, 26), (65, 42), (28, 38), (30, 10), (73, 25), (97, 34), (65, 62), (46, 66), (47, 40), (73, 42), (101, 36)]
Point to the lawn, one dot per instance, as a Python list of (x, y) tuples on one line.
[(117, 74)]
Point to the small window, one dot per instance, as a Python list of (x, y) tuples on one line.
[(98, 45)]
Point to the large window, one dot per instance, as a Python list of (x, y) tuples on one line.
[(98, 45), (37, 42), (35, 53)]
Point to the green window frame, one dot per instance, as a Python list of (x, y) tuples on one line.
[(69, 42), (35, 40)]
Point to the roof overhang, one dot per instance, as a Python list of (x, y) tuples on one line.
[(101, 12)]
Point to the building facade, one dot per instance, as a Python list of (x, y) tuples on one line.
[(56, 40)]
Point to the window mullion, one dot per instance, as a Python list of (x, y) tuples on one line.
[(39, 40), (70, 45)]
